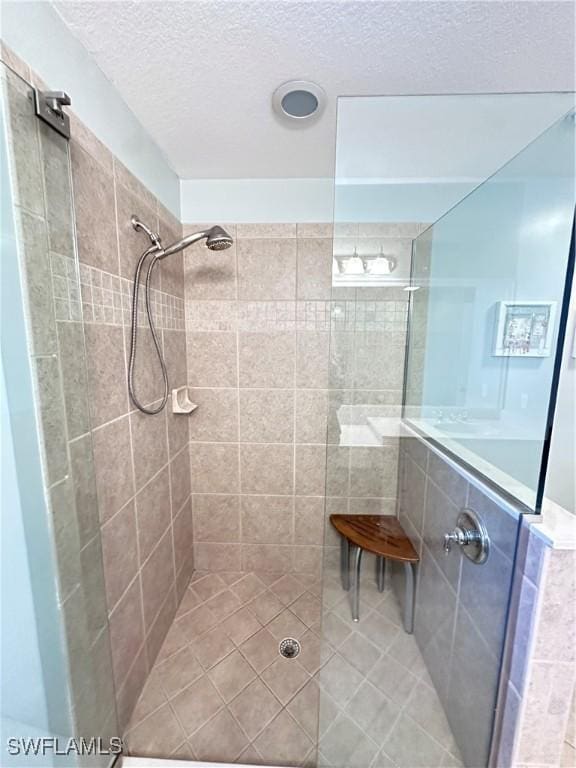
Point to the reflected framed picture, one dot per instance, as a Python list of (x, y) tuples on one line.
[(524, 328)]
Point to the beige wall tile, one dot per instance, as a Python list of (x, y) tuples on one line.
[(126, 631), (555, 639), (40, 296), (178, 433), (342, 360), (132, 243), (373, 471), (312, 356), (90, 143), (106, 373), (120, 553), (128, 693), (267, 468), (266, 269), (28, 185), (320, 229), (180, 485), (373, 370), (216, 418), (217, 557), (212, 359), (183, 541), (148, 382), (266, 415), (153, 513), (161, 625), (52, 416), (311, 415), (310, 470), (265, 230), (114, 477), (84, 482), (127, 179), (214, 468), (337, 470), (216, 518), (14, 62), (314, 268), (74, 378), (211, 315), (95, 212), (267, 519), (266, 359), (271, 558), (175, 352), (308, 559), (149, 445), (157, 578), (309, 520), (171, 269), (209, 274)]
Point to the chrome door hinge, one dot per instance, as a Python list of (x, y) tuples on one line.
[(48, 107)]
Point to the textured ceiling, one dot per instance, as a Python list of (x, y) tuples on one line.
[(199, 75)]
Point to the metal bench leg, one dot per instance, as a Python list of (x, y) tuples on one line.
[(345, 563), (356, 563), (380, 573), (409, 587)]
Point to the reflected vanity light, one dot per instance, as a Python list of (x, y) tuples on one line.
[(369, 263), (412, 288)]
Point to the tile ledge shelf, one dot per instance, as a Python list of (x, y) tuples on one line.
[(556, 526)]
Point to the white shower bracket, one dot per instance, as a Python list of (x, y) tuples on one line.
[(181, 402)]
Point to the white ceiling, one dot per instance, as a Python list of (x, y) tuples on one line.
[(400, 139), (199, 74)]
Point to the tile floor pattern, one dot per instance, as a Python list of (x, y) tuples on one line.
[(220, 691)]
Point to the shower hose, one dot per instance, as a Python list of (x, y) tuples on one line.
[(154, 249)]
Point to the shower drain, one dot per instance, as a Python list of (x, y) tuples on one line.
[(289, 648)]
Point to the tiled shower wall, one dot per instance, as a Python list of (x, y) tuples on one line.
[(539, 671), (141, 462), (277, 359), (461, 607)]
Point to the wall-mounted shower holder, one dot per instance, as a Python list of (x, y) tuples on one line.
[(181, 402)]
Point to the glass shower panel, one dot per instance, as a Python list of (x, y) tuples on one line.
[(56, 512), (488, 281), (387, 696)]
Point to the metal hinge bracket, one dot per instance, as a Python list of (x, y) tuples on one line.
[(48, 107)]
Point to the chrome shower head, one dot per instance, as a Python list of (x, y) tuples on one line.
[(218, 239)]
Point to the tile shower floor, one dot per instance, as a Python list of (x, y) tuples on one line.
[(219, 690)]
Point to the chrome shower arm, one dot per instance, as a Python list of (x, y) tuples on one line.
[(154, 237), (184, 243)]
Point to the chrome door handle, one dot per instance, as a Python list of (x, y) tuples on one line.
[(471, 535)]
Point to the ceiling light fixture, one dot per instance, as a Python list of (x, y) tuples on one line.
[(299, 101)]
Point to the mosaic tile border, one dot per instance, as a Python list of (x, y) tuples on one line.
[(98, 297), (382, 316)]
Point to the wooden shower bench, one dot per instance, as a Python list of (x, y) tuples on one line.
[(384, 537)]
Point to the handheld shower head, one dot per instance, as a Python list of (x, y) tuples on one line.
[(216, 238)]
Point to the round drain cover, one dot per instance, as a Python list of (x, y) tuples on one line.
[(289, 648)]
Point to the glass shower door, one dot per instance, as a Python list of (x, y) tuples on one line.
[(56, 665), (388, 697), (488, 285)]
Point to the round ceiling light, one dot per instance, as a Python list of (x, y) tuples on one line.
[(299, 101)]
